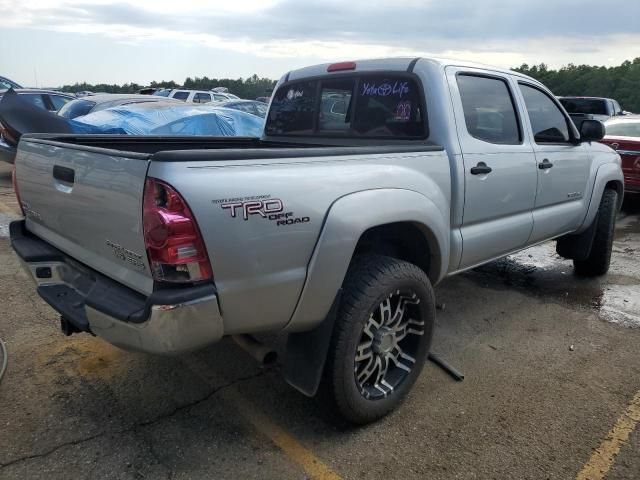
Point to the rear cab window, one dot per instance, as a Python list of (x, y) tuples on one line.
[(368, 105), (181, 96), (489, 109)]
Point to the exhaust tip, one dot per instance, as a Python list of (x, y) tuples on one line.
[(264, 354), (270, 359)]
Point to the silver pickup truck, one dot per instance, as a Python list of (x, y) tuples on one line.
[(373, 181)]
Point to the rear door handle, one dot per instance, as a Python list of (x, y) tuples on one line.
[(480, 169), (64, 174), (545, 164)]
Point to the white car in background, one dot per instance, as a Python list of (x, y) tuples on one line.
[(196, 96)]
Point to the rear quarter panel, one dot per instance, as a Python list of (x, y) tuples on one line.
[(260, 266)]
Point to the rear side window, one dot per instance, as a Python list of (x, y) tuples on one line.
[(201, 98), (547, 120), (35, 99), (489, 112), (374, 106), (181, 96), (59, 101)]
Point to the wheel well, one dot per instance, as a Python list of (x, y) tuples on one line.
[(617, 186), (404, 240)]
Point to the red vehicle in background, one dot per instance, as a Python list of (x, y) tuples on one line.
[(623, 135)]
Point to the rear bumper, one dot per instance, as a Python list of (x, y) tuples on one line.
[(167, 322)]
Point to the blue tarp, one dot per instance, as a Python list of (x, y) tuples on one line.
[(170, 119)]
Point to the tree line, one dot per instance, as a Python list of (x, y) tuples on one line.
[(250, 87), (621, 82)]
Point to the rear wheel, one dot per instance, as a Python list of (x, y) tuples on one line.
[(597, 263), (381, 338)]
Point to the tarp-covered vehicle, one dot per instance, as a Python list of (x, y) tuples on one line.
[(18, 117)]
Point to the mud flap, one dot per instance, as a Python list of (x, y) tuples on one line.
[(577, 247), (306, 353)]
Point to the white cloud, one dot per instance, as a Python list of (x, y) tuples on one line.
[(506, 33)]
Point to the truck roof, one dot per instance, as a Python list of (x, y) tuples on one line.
[(400, 64)]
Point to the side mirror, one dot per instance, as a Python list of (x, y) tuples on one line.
[(591, 130)]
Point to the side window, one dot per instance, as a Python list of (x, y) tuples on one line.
[(58, 101), (35, 99), (547, 120), (616, 108), (201, 98), (181, 96), (489, 112)]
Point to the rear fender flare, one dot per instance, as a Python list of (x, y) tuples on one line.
[(607, 173), (347, 219)]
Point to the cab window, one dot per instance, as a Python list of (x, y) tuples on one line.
[(548, 123), (489, 111)]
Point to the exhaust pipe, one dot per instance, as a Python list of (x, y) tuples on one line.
[(264, 354)]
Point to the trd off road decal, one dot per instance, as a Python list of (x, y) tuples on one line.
[(264, 206)]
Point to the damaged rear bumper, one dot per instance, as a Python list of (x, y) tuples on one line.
[(167, 322)]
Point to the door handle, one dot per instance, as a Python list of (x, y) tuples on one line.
[(545, 164), (480, 169), (64, 174)]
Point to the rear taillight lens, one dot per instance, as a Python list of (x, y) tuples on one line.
[(174, 245), (14, 182)]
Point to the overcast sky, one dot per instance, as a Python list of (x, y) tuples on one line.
[(60, 42)]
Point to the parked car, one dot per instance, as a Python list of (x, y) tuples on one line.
[(250, 106), (194, 96), (332, 231), (597, 108), (263, 99), (95, 103), (623, 135), (49, 100), (6, 84)]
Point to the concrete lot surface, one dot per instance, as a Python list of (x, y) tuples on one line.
[(552, 365)]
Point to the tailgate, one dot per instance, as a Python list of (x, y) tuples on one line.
[(87, 202)]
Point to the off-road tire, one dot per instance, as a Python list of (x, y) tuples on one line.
[(597, 263), (372, 279)]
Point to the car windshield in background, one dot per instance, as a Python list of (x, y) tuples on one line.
[(384, 106), (76, 108), (584, 105), (162, 93), (626, 129)]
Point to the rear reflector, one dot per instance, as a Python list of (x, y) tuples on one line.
[(339, 67), (173, 241)]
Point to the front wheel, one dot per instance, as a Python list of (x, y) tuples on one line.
[(381, 338), (597, 263)]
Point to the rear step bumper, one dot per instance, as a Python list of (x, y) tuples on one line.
[(167, 322)]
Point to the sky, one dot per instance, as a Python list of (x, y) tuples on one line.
[(56, 42)]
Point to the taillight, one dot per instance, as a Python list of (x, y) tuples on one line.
[(14, 182), (174, 245)]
